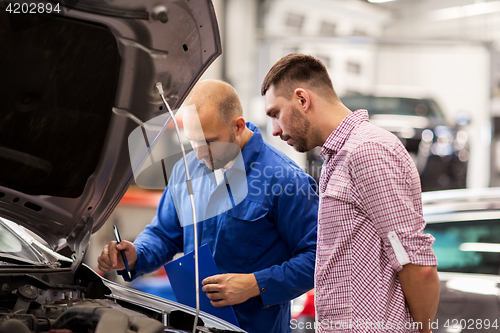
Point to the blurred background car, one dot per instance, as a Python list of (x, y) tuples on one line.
[(303, 313), (466, 226), (438, 146)]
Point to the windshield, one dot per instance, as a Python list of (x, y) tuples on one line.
[(394, 105), (12, 245), (467, 246)]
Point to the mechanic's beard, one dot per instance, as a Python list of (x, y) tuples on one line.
[(231, 152)]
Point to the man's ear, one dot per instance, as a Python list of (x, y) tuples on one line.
[(240, 125), (303, 98)]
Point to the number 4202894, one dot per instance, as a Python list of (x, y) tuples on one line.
[(472, 324), (32, 8)]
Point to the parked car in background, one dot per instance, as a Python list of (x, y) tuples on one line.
[(466, 225), (303, 313), (74, 85), (438, 146)]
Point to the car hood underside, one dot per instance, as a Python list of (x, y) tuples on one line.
[(73, 87)]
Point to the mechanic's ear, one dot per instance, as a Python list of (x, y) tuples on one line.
[(239, 124)]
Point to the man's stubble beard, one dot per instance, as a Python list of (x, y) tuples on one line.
[(300, 132), (230, 152)]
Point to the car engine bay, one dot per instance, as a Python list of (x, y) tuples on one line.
[(54, 300)]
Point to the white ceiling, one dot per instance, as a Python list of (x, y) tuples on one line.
[(444, 19)]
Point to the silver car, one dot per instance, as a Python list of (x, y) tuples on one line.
[(75, 81), (466, 225), (438, 145)]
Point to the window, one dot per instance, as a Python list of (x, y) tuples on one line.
[(394, 105), (324, 59), (327, 29), (293, 20), (353, 67), (12, 245), (8, 242), (359, 32), (290, 50), (467, 246)]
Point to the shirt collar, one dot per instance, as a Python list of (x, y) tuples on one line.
[(338, 137), (254, 146)]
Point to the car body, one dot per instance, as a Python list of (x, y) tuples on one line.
[(466, 226), (41, 292), (75, 84), (438, 146)]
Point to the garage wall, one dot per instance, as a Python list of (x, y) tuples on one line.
[(458, 76)]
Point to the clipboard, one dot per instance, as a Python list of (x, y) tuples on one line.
[(181, 274)]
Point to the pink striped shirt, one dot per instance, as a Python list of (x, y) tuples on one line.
[(370, 224)]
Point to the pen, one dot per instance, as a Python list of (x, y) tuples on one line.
[(124, 257)]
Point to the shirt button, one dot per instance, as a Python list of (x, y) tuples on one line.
[(263, 289)]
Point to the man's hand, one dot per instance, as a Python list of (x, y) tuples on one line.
[(230, 289), (421, 288), (110, 258)]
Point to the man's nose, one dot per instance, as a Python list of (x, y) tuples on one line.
[(276, 127)]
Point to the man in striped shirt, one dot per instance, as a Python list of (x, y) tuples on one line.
[(375, 269)]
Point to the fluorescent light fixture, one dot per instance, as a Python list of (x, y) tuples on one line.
[(480, 247), (474, 285), (379, 1), (457, 12)]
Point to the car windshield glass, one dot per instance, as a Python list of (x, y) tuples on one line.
[(394, 105), (12, 245), (467, 246)]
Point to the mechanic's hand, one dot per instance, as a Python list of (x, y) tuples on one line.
[(230, 289), (111, 259)]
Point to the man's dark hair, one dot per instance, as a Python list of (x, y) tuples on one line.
[(295, 70)]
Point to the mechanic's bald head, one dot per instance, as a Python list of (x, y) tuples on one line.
[(223, 133), (216, 95)]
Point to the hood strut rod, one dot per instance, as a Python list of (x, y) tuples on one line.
[(159, 88)]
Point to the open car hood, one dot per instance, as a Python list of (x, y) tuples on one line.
[(66, 82)]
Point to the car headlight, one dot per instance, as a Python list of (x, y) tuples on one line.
[(443, 142), (461, 140), (444, 135), (447, 143), (427, 135)]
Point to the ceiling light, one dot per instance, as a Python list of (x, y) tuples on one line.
[(379, 1), (465, 11), (480, 247)]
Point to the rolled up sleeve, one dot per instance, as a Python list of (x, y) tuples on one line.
[(388, 189)]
